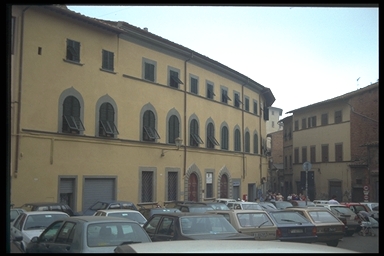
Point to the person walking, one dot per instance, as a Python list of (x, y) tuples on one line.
[(333, 200)]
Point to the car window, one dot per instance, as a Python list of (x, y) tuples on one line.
[(323, 217), (42, 208), (166, 226), (342, 210), (19, 221), (99, 206), (66, 233), (129, 215), (56, 208), (152, 224), (216, 224), (39, 221), (288, 217), (49, 233), (252, 207), (254, 219)]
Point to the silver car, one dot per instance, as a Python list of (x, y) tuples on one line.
[(88, 234)]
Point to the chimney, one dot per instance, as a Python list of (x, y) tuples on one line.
[(146, 29)]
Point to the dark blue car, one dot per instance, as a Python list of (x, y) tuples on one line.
[(293, 227)]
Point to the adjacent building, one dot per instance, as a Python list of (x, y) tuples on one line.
[(339, 138), (107, 110)]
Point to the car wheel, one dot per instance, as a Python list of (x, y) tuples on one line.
[(333, 243)]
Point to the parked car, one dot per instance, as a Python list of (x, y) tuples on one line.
[(256, 223), (149, 212), (244, 205), (281, 204), (356, 207), (293, 227), (174, 203), (49, 206), (330, 229), (320, 201), (352, 221), (267, 205), (217, 246), (87, 234), (123, 213), (301, 203), (14, 212), (195, 207), (191, 226), (109, 204), (374, 209), (216, 205), (224, 200), (30, 224)]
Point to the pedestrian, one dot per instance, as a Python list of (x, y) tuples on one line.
[(333, 200)]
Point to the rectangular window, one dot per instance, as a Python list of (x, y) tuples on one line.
[(246, 104), (210, 93), (338, 152), (172, 186), (324, 119), (296, 155), (107, 60), (237, 100), (174, 80), (303, 123), (224, 96), (296, 125), (147, 185), (285, 163), (312, 121), (194, 83), (209, 185), (273, 124), (255, 107), (324, 153), (73, 51), (338, 117), (149, 70), (304, 154), (290, 162), (313, 154)]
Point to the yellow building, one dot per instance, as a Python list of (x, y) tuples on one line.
[(107, 110), (335, 137)]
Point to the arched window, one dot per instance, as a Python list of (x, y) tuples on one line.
[(71, 116), (107, 127), (211, 140), (195, 139), (149, 126), (256, 143), (173, 129), (237, 140), (224, 138), (247, 142)]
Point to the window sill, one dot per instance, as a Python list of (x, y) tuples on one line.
[(108, 71), (73, 62)]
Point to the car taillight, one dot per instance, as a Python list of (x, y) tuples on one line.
[(314, 231), (278, 233)]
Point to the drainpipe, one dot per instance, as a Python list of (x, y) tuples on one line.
[(17, 150), (185, 114), (242, 127)]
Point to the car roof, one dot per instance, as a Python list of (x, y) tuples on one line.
[(181, 214), (114, 201), (229, 246), (44, 203), (100, 219), (237, 211), (44, 212), (117, 210)]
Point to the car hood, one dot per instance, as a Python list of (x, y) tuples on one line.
[(32, 233)]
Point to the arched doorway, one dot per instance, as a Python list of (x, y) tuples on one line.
[(224, 186), (192, 188)]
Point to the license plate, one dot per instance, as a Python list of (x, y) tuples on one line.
[(260, 234), (332, 229), (296, 231)]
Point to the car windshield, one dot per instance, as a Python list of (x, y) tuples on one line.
[(200, 209), (99, 206), (323, 217), (41, 221), (136, 216), (193, 225), (288, 217), (282, 204), (115, 233), (252, 207)]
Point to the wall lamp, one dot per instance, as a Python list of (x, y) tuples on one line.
[(178, 142)]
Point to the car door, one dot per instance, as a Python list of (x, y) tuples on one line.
[(151, 226), (45, 242), (16, 228), (165, 230)]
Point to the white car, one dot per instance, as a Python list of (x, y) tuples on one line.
[(31, 224), (228, 246), (124, 213), (224, 200)]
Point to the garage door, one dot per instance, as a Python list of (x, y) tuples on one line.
[(98, 189)]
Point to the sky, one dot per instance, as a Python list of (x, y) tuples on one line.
[(303, 54)]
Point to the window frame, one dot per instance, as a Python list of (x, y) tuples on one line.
[(194, 88), (210, 90), (246, 104), (107, 62), (325, 153), (237, 102), (225, 138), (150, 133), (324, 119), (211, 140), (72, 52), (224, 95), (339, 152), (107, 127), (148, 77), (194, 139), (255, 107), (338, 116), (237, 140), (173, 77)]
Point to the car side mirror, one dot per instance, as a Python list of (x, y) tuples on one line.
[(35, 239)]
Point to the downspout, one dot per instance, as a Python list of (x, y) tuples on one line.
[(242, 127), (260, 142), (185, 114), (17, 150)]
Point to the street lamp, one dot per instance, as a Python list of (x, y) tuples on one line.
[(178, 142)]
